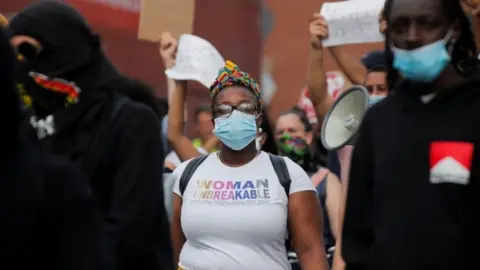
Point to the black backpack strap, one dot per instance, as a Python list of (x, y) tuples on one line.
[(189, 171), (280, 167)]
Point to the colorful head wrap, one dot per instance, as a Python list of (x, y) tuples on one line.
[(230, 75)]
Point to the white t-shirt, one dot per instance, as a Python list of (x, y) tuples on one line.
[(173, 158), (236, 217)]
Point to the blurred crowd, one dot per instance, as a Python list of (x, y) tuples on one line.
[(98, 173)]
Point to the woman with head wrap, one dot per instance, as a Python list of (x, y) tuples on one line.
[(48, 217), (232, 213), (80, 110)]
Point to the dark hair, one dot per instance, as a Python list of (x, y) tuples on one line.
[(377, 69), (374, 61), (302, 115), (269, 146), (374, 69), (201, 109), (463, 49), (162, 104)]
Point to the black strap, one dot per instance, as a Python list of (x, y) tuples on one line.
[(117, 105), (280, 167), (189, 171)]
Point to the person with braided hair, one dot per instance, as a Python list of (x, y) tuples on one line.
[(84, 109), (232, 207)]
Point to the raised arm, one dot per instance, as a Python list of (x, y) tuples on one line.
[(182, 145), (353, 68), (317, 81)]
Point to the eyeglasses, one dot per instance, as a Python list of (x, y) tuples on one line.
[(225, 110)]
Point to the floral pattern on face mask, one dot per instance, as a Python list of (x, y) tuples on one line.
[(295, 148)]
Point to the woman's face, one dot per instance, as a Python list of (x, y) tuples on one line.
[(236, 98), (291, 124)]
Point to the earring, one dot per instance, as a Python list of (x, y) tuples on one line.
[(260, 130)]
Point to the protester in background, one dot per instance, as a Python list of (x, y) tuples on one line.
[(203, 126), (367, 72), (429, 126), (295, 136), (49, 219), (209, 232), (80, 110)]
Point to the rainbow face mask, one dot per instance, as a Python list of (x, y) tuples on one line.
[(294, 148)]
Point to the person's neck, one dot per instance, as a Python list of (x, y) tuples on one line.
[(238, 158), (447, 79)]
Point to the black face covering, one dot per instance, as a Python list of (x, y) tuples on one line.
[(10, 115), (70, 53), (69, 80)]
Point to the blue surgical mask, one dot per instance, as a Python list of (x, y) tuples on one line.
[(423, 64), (237, 130), (372, 99)]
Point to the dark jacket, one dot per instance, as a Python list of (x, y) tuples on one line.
[(414, 186), (48, 218)]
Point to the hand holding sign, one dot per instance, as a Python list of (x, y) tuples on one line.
[(168, 49), (318, 31), (197, 60), (350, 22)]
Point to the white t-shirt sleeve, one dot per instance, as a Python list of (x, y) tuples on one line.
[(202, 151), (176, 177), (300, 179)]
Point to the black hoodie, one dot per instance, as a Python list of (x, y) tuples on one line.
[(47, 217), (414, 189), (116, 140)]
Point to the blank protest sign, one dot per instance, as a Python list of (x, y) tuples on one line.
[(352, 22), (157, 16)]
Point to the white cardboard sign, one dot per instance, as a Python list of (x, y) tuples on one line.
[(352, 22), (197, 59)]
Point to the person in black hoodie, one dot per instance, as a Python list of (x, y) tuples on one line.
[(48, 218), (103, 121), (414, 191)]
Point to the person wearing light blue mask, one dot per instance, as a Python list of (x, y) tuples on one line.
[(375, 84), (423, 64), (246, 192), (407, 205)]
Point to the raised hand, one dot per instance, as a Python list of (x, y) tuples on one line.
[(168, 49), (318, 29)]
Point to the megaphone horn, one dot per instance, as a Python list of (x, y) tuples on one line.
[(341, 124)]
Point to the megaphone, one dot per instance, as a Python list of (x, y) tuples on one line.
[(341, 124)]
